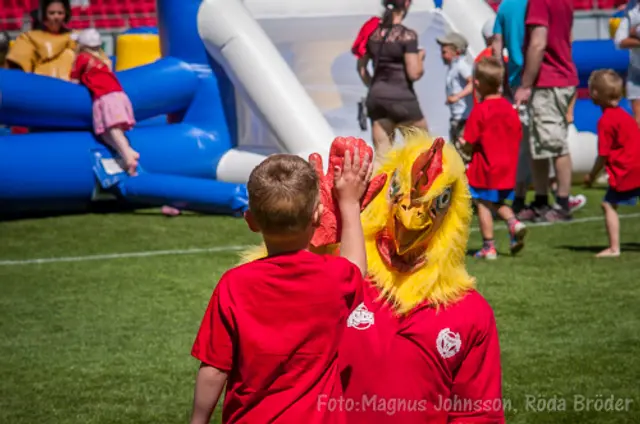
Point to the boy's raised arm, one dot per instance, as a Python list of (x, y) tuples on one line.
[(350, 184), (209, 385)]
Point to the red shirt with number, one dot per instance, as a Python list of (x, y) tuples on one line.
[(557, 68), (96, 75), (619, 143), (495, 131), (275, 325), (427, 367)]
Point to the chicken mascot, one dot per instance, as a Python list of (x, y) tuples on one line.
[(422, 344)]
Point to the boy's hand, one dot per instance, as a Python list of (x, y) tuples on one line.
[(452, 99), (350, 181), (588, 181), (328, 231)]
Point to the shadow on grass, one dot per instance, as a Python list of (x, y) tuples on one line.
[(98, 208), (629, 247)]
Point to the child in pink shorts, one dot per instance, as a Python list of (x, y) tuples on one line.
[(112, 110)]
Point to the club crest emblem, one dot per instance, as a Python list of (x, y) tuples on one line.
[(361, 318), (448, 343)]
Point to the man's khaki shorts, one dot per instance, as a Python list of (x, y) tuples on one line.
[(524, 175), (549, 127)]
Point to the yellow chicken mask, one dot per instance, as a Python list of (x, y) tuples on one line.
[(417, 227)]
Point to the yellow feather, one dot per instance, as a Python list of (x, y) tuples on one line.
[(443, 279), (253, 253)]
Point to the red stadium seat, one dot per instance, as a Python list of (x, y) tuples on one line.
[(142, 22), (11, 19), (606, 4), (583, 4)]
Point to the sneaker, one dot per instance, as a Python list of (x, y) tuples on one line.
[(489, 253), (554, 215), (517, 231), (529, 213), (577, 202)]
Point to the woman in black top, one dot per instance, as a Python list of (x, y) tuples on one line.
[(392, 102)]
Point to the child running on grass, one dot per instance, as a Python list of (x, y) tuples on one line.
[(112, 110), (492, 136), (459, 85), (272, 328), (618, 153)]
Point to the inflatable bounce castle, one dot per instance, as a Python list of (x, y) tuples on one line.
[(236, 80)]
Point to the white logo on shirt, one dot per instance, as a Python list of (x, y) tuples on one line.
[(360, 318), (448, 343)]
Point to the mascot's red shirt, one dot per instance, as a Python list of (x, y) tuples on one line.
[(427, 367)]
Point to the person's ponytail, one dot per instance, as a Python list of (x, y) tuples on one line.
[(387, 17)]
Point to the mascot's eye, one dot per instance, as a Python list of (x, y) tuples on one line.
[(394, 185), (444, 199)]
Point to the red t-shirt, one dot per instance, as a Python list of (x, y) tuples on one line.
[(94, 75), (275, 326), (429, 367), (359, 48), (619, 142), (495, 130), (488, 52), (557, 69)]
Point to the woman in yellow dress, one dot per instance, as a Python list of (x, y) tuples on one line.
[(49, 48)]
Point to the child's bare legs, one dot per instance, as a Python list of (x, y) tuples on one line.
[(115, 138), (485, 220), (517, 230), (612, 223)]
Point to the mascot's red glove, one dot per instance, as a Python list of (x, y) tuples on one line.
[(329, 229)]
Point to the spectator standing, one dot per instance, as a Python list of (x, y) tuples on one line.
[(48, 49), (459, 86), (548, 86), (398, 62), (508, 33), (628, 37)]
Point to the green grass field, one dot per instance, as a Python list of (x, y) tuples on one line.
[(108, 340)]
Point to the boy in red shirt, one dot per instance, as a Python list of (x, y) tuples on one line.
[(272, 328), (618, 153), (489, 36), (492, 136)]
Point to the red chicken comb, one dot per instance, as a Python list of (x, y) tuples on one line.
[(426, 169)]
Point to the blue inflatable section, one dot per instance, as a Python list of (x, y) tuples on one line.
[(62, 165), (589, 56)]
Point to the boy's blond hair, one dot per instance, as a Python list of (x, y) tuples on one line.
[(283, 194), (606, 86), (489, 71)]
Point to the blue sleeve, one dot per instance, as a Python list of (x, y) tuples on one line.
[(497, 26)]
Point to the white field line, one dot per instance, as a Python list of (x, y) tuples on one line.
[(217, 249)]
